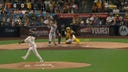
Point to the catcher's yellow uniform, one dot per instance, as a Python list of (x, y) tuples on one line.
[(75, 39), (68, 33), (70, 37)]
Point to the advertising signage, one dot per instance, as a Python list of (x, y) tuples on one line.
[(85, 15)]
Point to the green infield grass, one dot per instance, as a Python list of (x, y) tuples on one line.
[(101, 60)]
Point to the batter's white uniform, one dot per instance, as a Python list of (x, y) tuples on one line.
[(32, 47), (52, 33)]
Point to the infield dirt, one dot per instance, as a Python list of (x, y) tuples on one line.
[(82, 45)]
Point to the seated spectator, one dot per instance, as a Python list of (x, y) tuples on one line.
[(118, 20), (59, 6), (9, 20), (74, 8), (22, 6), (84, 4), (18, 21), (125, 7), (126, 19), (66, 8), (94, 8), (8, 5), (47, 4), (29, 5), (111, 6), (40, 21), (1, 6), (90, 20), (118, 3), (99, 5), (106, 6), (110, 19), (97, 21), (116, 11)]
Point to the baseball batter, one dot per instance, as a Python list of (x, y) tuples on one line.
[(52, 33), (32, 47)]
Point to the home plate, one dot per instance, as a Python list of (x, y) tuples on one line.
[(86, 46)]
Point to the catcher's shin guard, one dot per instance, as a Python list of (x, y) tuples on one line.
[(77, 40), (59, 39)]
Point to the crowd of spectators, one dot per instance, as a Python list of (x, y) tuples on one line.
[(53, 6), (110, 20), (34, 12), (115, 6), (117, 11)]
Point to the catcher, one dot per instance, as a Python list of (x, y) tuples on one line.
[(70, 37), (31, 41)]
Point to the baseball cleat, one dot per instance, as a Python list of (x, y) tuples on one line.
[(41, 60), (55, 44), (23, 57), (49, 44)]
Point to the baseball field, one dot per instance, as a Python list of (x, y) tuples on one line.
[(96, 55)]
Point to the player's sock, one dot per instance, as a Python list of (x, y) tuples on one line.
[(59, 40), (49, 43)]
